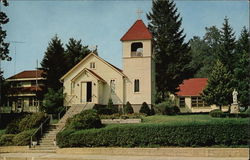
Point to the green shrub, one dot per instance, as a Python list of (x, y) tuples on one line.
[(7, 118), (32, 121), (176, 109), (145, 109), (106, 109), (167, 108), (85, 120), (148, 135), (247, 111), (128, 109), (12, 127), (152, 110), (23, 138), (216, 113), (123, 116), (6, 140), (53, 101)]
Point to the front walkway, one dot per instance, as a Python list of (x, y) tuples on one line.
[(55, 156)]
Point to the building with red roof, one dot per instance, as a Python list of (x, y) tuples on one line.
[(25, 91), (189, 96)]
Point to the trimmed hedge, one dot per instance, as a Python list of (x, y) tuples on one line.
[(145, 109), (217, 113), (6, 118), (151, 135), (6, 140), (104, 109), (85, 120), (32, 121), (28, 122), (128, 109), (23, 138)]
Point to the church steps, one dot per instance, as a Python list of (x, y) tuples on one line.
[(47, 141)]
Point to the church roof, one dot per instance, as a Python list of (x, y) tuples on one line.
[(138, 31), (91, 72), (92, 54), (192, 87), (27, 74)]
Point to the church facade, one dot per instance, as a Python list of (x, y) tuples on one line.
[(94, 80)]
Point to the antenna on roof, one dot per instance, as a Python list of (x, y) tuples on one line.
[(139, 12), (15, 42), (36, 74)]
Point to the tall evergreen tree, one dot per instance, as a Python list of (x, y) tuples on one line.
[(4, 47), (219, 89), (170, 51), (75, 52), (227, 46), (54, 63), (241, 71)]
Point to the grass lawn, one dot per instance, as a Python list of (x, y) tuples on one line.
[(160, 119)]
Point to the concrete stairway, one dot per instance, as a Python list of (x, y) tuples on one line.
[(48, 141)]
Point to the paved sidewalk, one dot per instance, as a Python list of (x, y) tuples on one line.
[(54, 156)]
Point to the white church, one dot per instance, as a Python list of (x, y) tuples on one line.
[(94, 80)]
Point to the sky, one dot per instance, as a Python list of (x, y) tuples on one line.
[(34, 22)]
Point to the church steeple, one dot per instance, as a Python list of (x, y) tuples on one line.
[(138, 65), (138, 31)]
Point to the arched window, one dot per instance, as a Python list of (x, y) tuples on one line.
[(136, 49), (137, 85), (112, 86)]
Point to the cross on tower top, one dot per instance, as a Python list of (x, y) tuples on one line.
[(139, 12)]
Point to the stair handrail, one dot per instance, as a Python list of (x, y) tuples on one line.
[(37, 130), (65, 108), (64, 126), (71, 98)]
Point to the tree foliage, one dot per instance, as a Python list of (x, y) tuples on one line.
[(53, 101), (4, 49), (219, 89), (227, 46), (242, 66), (4, 46), (75, 52), (171, 52), (204, 52), (54, 63)]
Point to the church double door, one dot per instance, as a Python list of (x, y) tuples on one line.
[(86, 92)]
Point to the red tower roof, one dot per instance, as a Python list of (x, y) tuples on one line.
[(138, 31), (192, 87)]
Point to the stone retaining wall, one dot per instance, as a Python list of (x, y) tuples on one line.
[(120, 121), (169, 152), (14, 149)]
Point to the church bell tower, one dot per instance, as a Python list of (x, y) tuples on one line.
[(138, 65)]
